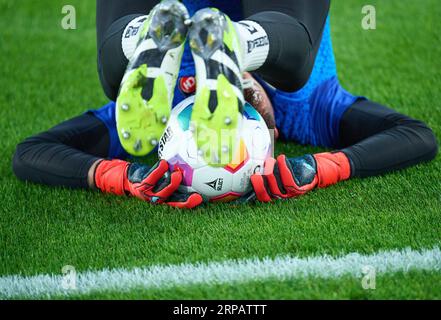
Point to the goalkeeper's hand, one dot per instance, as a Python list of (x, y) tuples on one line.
[(152, 184), (291, 177)]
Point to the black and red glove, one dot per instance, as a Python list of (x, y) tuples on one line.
[(152, 184), (291, 177)]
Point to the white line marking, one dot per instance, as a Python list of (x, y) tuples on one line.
[(230, 271)]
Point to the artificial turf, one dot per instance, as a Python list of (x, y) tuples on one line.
[(49, 75)]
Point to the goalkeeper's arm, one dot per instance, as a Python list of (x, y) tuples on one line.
[(374, 140)]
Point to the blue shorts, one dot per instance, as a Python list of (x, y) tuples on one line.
[(312, 119)]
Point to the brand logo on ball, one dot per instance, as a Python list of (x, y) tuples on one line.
[(187, 85), (216, 184), (168, 134)]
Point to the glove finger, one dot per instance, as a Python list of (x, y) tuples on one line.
[(286, 175), (171, 187), (271, 174), (185, 200), (269, 166), (259, 186), (156, 173), (161, 184), (274, 187)]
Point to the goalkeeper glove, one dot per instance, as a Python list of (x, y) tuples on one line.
[(287, 178), (154, 185)]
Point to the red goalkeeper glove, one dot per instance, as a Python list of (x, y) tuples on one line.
[(155, 185), (287, 178)]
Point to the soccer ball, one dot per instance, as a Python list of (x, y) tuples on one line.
[(227, 183)]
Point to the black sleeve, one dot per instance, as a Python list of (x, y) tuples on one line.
[(63, 155), (294, 29), (378, 139), (112, 17)]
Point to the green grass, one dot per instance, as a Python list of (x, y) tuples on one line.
[(412, 285), (49, 75)]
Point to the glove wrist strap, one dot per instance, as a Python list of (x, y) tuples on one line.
[(110, 176), (332, 168)]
